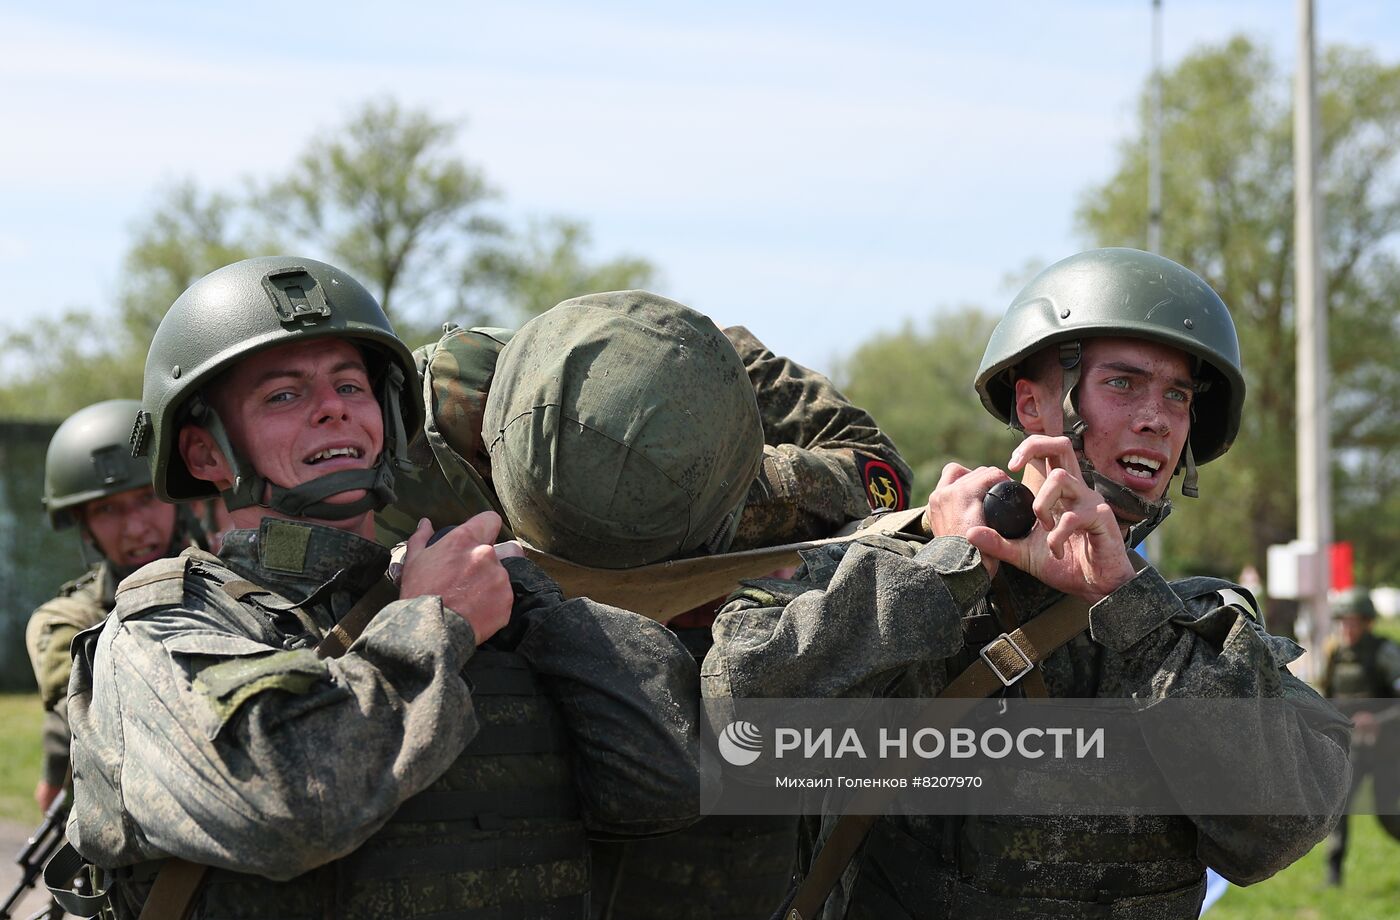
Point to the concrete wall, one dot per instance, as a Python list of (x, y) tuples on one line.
[(34, 560)]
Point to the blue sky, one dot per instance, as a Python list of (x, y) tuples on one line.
[(814, 172)]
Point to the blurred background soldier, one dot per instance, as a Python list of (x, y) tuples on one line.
[(92, 482), (1363, 677), (619, 432)]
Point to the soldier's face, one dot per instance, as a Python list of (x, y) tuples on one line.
[(1353, 628), (1135, 397), (297, 412), (130, 528)]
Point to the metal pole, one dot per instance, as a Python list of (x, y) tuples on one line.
[(1154, 188), (1154, 138), (1314, 485)]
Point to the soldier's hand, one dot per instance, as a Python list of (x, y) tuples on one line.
[(1076, 546), (955, 504), (463, 569), (45, 793)]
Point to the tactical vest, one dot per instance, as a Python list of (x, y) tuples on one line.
[(726, 867), (496, 837), (1352, 673), (1056, 866)]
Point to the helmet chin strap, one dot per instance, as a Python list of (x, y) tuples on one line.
[(309, 498)]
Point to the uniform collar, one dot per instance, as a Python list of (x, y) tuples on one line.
[(297, 557), (107, 585)]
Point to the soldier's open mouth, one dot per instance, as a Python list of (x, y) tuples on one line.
[(1139, 467), (332, 452)]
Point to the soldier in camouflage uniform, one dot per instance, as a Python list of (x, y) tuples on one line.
[(640, 370), (1363, 676), (452, 760), (91, 481), (1122, 368)]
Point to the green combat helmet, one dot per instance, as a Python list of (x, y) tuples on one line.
[(88, 458), (623, 430), (1131, 294), (1353, 602), (247, 307)]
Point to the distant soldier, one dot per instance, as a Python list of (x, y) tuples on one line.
[(92, 482), (624, 430), (244, 739), (1363, 677)]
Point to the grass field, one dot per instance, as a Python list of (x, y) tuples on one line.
[(20, 718)]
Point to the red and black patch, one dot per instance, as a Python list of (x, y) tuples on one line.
[(882, 485)]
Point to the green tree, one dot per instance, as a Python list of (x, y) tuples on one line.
[(387, 198), (1228, 214), (189, 234), (918, 384), (520, 276)]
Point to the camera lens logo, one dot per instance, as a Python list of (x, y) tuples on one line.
[(740, 743)]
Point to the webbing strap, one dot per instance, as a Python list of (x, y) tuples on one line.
[(1003, 661), (344, 633), (172, 893)]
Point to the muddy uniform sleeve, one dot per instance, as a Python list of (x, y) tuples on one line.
[(195, 739), (825, 461), (849, 630), (1193, 640), (629, 694)]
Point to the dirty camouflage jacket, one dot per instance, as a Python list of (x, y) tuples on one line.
[(206, 728), (889, 618), (80, 603)]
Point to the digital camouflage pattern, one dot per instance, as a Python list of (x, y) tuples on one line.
[(622, 431), (415, 776), (825, 463), (80, 603), (892, 614)]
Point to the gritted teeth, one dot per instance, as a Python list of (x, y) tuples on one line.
[(1139, 466), (330, 452)]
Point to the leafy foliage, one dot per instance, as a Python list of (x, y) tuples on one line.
[(527, 274), (385, 195), (1228, 214)]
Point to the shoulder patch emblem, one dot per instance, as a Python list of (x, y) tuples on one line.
[(882, 485)]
